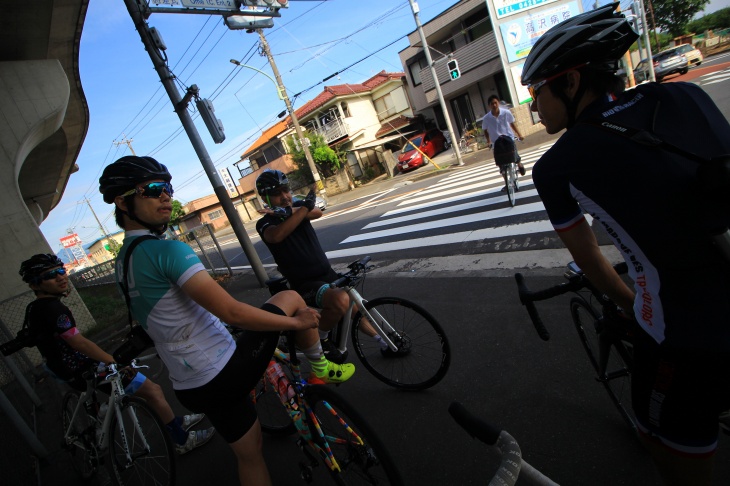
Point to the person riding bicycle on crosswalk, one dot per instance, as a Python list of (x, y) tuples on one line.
[(500, 122), (68, 354), (648, 199)]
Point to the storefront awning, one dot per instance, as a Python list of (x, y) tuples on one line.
[(381, 141)]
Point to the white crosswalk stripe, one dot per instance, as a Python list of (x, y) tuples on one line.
[(433, 215), (716, 77)]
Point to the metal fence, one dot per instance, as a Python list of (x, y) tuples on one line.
[(201, 239)]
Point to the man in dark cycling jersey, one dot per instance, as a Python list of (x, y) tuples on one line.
[(69, 354), (649, 201), (287, 231), (176, 301)]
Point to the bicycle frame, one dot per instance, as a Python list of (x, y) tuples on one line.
[(114, 401), (377, 321), (310, 433)]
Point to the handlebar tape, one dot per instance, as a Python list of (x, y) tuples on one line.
[(526, 298), (475, 426)]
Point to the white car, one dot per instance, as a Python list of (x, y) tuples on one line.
[(320, 202)]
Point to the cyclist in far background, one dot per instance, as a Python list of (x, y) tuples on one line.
[(69, 354), (500, 122), (649, 200)]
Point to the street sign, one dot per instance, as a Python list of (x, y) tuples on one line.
[(217, 4)]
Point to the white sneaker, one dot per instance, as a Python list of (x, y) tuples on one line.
[(196, 438), (190, 420)]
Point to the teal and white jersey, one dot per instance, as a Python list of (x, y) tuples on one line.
[(191, 341)]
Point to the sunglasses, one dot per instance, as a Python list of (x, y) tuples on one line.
[(534, 89), (277, 192), (151, 190), (52, 274)]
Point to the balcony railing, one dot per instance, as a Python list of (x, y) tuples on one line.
[(333, 130)]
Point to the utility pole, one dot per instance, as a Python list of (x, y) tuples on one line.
[(127, 142), (104, 232), (454, 140), (649, 58), (294, 119), (136, 10)]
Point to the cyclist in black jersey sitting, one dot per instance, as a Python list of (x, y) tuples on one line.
[(650, 203), (69, 354), (289, 235)]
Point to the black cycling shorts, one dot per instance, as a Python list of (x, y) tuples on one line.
[(226, 399), (313, 291), (679, 394)]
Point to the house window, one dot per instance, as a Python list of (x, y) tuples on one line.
[(385, 107), (345, 109), (415, 70), (478, 25), (213, 215)]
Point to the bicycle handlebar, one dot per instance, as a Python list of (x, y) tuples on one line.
[(356, 268), (512, 464), (529, 297)]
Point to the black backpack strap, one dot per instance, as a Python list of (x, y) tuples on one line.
[(123, 283)]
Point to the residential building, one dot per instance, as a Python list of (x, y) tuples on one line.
[(208, 210), (364, 120), (464, 32)]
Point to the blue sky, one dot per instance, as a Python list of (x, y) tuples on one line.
[(310, 41)]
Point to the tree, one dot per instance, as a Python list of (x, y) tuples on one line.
[(177, 213), (714, 21), (673, 15), (325, 159)]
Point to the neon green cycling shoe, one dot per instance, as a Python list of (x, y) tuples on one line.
[(335, 373)]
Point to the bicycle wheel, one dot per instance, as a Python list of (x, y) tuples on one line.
[(611, 359), (150, 447), (273, 416), (360, 463), (83, 452), (508, 184), (423, 355)]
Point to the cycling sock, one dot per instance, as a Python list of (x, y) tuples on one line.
[(176, 431), (316, 358), (383, 344), (323, 334)]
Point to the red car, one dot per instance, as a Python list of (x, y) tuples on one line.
[(430, 143)]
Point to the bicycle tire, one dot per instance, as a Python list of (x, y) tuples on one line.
[(509, 186), (153, 467), (615, 375), (83, 452), (425, 349), (273, 416), (360, 464)]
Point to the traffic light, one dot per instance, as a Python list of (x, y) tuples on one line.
[(454, 72), (207, 113)]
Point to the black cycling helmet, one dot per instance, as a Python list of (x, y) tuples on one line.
[(269, 180), (125, 173), (597, 38), (37, 265)]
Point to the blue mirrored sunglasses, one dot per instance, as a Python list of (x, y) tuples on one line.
[(52, 274), (151, 190)]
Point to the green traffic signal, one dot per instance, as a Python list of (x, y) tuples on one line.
[(454, 72)]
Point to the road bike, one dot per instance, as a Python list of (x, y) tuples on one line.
[(330, 431), (418, 354), (512, 466), (137, 446), (507, 162), (606, 336)]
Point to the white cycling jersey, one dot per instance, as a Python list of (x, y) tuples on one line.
[(191, 341)]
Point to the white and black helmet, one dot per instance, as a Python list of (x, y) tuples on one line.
[(597, 38)]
